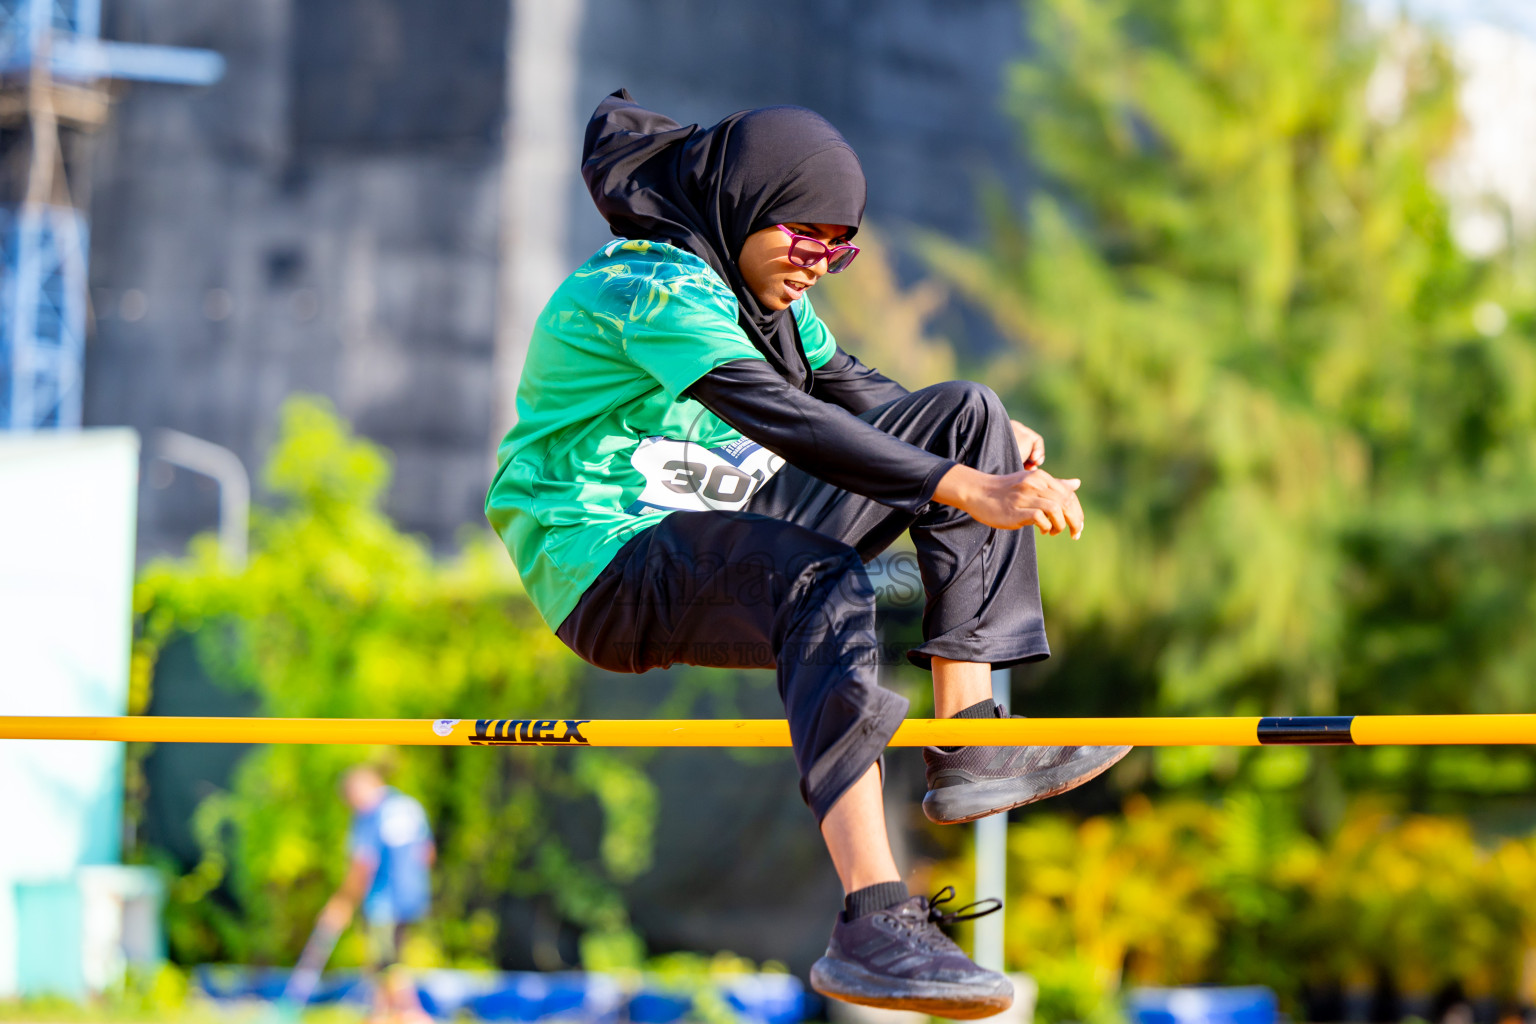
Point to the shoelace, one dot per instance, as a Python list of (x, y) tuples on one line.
[(947, 894)]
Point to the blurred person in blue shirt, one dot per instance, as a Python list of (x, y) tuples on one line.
[(390, 855)]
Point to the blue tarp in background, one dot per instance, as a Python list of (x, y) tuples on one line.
[(528, 996)]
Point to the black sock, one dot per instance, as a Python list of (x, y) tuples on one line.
[(872, 898), (981, 709)]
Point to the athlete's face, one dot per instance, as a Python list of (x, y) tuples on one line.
[(764, 262)]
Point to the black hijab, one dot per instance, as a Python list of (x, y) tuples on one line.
[(706, 190)]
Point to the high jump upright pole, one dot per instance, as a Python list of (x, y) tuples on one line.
[(992, 859)]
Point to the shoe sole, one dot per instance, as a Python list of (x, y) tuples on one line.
[(837, 979), (955, 805)]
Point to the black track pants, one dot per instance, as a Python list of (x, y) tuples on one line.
[(782, 584)]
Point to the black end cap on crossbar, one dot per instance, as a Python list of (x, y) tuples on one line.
[(1316, 731)]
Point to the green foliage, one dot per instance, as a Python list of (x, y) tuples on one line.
[(887, 325), (1072, 989), (164, 995), (1237, 313), (339, 615), (1186, 892)]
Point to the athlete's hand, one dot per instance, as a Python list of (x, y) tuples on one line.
[(1031, 445), (1031, 497)]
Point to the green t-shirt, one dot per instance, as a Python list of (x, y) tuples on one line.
[(606, 443)]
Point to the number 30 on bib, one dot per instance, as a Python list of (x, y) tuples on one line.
[(684, 476)]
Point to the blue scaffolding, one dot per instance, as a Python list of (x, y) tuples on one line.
[(42, 316), (52, 66)]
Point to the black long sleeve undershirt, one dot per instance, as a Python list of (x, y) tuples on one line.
[(849, 383), (821, 438)]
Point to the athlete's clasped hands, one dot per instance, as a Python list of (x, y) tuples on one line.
[(1030, 497)]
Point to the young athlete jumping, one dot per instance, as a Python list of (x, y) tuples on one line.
[(699, 474)]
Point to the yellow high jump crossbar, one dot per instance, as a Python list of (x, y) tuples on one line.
[(1351, 730)]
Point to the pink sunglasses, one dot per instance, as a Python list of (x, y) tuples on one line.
[(805, 251)]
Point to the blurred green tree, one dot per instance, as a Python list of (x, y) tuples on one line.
[(1305, 420), (341, 615)]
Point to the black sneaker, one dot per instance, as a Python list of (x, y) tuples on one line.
[(898, 959), (973, 782)]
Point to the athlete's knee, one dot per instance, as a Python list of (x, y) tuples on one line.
[(975, 417), (834, 573), (966, 399), (829, 617)]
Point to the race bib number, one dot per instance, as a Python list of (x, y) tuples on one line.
[(682, 476)]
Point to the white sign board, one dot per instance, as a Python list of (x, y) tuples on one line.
[(67, 506)]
